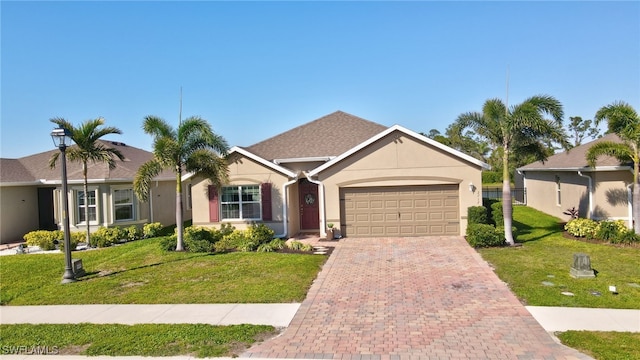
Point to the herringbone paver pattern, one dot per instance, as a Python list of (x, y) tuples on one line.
[(411, 298)]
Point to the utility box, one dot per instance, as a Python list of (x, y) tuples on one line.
[(76, 265)]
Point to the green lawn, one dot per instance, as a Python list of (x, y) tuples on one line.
[(546, 256), (604, 345), (131, 340), (141, 273)]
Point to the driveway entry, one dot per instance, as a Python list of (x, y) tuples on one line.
[(411, 298)]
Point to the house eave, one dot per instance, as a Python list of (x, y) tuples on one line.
[(303, 159), (582, 169), (407, 132), (262, 161)]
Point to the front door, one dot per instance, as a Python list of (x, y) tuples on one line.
[(309, 210), (46, 219)]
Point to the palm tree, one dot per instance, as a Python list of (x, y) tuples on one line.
[(623, 121), (88, 148), (192, 147), (519, 130)]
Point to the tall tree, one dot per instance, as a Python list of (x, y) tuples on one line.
[(623, 120), (520, 129), (582, 129), (192, 147), (88, 149)]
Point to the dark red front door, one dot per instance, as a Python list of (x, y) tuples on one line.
[(309, 210)]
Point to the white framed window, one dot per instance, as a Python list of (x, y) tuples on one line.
[(123, 204), (241, 202), (92, 200), (558, 192)]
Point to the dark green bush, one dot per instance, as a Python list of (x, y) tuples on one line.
[(259, 233), (477, 215), (484, 235), (168, 243), (607, 231), (491, 177), (626, 237), (496, 213)]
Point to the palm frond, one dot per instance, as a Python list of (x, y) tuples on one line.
[(621, 151), (144, 176), (208, 164), (547, 104), (158, 128)]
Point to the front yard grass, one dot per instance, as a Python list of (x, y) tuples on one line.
[(141, 273), (131, 340), (546, 256), (604, 345)]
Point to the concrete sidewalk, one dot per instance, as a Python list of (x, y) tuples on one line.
[(278, 315), (565, 318)]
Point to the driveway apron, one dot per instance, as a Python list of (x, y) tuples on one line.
[(411, 298)]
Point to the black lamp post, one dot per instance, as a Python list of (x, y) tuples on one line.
[(61, 137)]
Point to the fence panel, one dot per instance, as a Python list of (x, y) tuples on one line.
[(518, 195)]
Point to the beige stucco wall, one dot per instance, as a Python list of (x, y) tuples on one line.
[(242, 171), (19, 212), (609, 197), (398, 160)]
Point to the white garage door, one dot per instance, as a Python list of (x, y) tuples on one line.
[(400, 211)]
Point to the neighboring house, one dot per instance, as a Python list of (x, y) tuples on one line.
[(565, 181), (31, 194), (365, 178)]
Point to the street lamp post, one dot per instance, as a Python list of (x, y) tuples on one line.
[(60, 138)]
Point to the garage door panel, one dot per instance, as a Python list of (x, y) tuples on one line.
[(401, 211)]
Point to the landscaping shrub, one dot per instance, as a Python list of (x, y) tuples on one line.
[(484, 235), (608, 230), (582, 228), (168, 243), (477, 215), (151, 230), (230, 241), (626, 237), (265, 248), (133, 233), (200, 239), (259, 233), (496, 213), (105, 237), (299, 246), (42, 238), (277, 244), (74, 238)]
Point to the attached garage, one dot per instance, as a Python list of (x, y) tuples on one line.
[(400, 211)]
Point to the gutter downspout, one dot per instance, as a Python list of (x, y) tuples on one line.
[(285, 207), (630, 204), (590, 189), (323, 225)]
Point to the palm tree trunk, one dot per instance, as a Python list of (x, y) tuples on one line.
[(86, 202), (179, 224), (507, 207)]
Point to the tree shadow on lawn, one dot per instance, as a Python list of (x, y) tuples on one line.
[(101, 274), (524, 229)]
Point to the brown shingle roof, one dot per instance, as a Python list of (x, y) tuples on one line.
[(36, 167), (575, 158), (330, 135)]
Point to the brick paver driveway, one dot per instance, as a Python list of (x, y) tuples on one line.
[(411, 298)]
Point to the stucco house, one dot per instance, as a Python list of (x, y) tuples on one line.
[(31, 194), (565, 181), (366, 179)]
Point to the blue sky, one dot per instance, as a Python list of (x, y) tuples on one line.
[(256, 69)]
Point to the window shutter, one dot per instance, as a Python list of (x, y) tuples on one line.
[(214, 208), (266, 201)]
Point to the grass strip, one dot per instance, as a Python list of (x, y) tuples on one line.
[(197, 340), (604, 345)]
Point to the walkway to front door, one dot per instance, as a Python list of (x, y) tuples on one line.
[(411, 298)]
